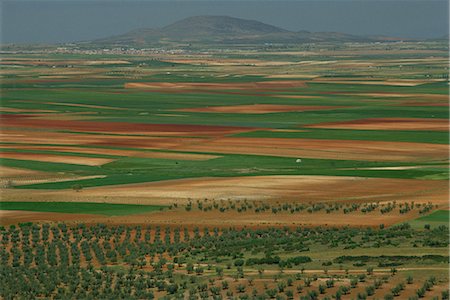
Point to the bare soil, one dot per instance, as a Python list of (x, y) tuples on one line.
[(329, 149)]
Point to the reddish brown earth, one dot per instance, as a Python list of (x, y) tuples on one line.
[(28, 121), (214, 218)]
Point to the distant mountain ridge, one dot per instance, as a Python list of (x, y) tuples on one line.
[(227, 30)]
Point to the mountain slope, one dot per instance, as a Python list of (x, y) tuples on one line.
[(218, 26)]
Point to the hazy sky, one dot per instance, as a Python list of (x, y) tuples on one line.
[(68, 20)]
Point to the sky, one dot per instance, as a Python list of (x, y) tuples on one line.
[(59, 21)]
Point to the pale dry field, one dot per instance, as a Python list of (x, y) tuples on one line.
[(301, 189)]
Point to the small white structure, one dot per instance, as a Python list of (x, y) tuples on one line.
[(299, 160)]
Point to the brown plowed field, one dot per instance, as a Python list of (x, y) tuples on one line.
[(27, 121), (389, 124), (140, 142)]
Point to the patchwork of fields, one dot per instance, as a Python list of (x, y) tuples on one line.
[(354, 124)]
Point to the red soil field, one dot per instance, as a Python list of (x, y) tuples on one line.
[(29, 121)]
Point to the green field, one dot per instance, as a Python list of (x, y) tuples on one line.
[(437, 216), (433, 220), (107, 209)]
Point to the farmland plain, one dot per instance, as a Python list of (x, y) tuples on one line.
[(348, 139)]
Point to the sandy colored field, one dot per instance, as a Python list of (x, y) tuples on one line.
[(298, 188), (329, 149), (262, 85), (271, 188), (258, 108), (389, 124), (7, 172), (78, 160), (43, 178)]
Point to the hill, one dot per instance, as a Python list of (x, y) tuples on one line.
[(225, 30)]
